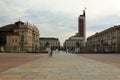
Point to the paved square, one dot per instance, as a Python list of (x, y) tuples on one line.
[(62, 66)]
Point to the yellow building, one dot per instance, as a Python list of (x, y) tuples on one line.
[(19, 37), (105, 41)]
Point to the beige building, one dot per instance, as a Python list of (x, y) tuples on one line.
[(54, 43), (105, 41), (19, 37), (78, 40), (74, 42)]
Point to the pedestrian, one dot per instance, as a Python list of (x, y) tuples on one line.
[(51, 52), (56, 51), (67, 51)]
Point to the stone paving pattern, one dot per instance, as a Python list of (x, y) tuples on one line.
[(9, 60), (62, 66), (109, 58)]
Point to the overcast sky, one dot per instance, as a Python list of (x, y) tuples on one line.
[(59, 18)]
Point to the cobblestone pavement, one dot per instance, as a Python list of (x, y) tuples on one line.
[(62, 66)]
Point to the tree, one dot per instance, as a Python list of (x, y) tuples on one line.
[(47, 44), (77, 44)]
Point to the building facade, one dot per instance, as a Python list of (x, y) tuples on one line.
[(105, 41), (78, 40), (19, 37), (82, 25), (53, 43), (73, 43)]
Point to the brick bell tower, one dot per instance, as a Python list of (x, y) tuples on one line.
[(82, 24)]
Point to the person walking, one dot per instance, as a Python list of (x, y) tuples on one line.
[(56, 51), (67, 51), (50, 52)]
